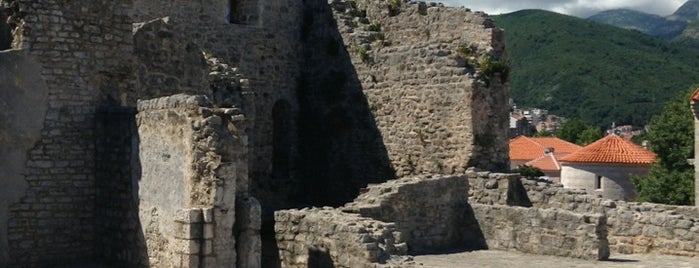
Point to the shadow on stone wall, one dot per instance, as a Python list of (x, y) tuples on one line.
[(341, 148), (472, 235), (120, 241), (319, 259)]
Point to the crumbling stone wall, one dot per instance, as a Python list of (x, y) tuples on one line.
[(632, 227), (430, 83), (20, 129), (331, 238), (191, 157), (432, 213), (544, 231), (265, 55), (74, 44)]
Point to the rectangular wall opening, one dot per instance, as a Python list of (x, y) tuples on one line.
[(598, 182), (5, 32)]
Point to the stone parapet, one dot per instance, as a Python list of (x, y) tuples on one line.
[(632, 227), (544, 231)]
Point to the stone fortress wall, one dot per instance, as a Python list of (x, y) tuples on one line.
[(485, 210), (74, 189), (426, 215), (632, 227)]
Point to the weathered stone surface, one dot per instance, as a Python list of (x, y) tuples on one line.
[(632, 227), (331, 238), (544, 231), (430, 212), (179, 178), (20, 129)]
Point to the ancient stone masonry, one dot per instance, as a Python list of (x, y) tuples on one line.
[(66, 46), (192, 156), (417, 70), (544, 231), (431, 214), (278, 103), (632, 227), (330, 238)]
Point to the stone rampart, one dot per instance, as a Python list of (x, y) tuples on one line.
[(431, 214), (632, 227), (331, 238), (543, 231)]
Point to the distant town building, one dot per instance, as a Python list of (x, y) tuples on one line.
[(604, 167), (624, 131), (542, 153), (519, 125)]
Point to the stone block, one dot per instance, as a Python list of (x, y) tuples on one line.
[(189, 261), (209, 231), (189, 215)]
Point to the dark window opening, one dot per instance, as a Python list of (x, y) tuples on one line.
[(242, 12), (5, 32), (598, 182), (232, 14)]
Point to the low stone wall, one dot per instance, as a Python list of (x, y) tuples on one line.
[(632, 227), (331, 238), (543, 231), (432, 213), (496, 188)]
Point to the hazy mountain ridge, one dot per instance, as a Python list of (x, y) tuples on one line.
[(680, 24)]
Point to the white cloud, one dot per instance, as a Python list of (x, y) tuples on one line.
[(580, 8)]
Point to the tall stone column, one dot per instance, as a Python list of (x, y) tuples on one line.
[(695, 111)]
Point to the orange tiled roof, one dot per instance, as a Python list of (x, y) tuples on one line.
[(529, 148), (546, 162), (612, 149), (695, 95)]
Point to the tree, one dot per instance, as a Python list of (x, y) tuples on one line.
[(571, 130), (589, 135), (576, 131), (543, 133), (671, 137), (529, 171)]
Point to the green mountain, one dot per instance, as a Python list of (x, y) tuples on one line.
[(641, 21), (602, 74)]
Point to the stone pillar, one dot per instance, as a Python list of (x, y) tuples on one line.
[(695, 112), (248, 225), (191, 157)]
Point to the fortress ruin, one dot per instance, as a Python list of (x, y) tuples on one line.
[(191, 133)]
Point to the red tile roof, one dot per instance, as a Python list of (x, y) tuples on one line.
[(612, 149), (546, 162), (695, 96), (528, 148)]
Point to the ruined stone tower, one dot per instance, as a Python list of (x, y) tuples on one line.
[(291, 103)]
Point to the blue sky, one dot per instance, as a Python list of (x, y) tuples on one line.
[(580, 8)]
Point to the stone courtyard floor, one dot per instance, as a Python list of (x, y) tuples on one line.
[(500, 259)]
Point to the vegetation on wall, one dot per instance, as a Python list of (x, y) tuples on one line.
[(671, 137), (601, 74)]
